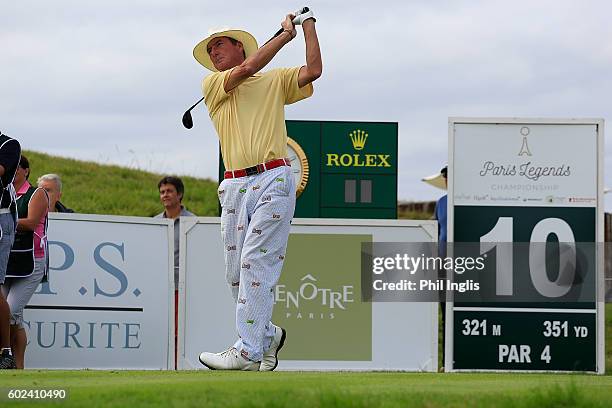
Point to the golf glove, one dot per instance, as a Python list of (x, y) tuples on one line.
[(300, 18)]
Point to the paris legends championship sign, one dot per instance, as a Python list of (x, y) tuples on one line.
[(528, 194)]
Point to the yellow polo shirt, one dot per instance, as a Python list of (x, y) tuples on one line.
[(250, 119)]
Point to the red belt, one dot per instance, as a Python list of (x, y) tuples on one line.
[(260, 168)]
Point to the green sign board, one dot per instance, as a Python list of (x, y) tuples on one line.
[(534, 333), (343, 169), (534, 339), (318, 299)]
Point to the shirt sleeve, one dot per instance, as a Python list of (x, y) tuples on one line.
[(214, 91), (293, 93)]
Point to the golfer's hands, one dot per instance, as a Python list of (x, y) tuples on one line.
[(288, 25), (300, 18)]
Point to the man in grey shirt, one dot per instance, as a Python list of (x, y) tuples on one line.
[(171, 191)]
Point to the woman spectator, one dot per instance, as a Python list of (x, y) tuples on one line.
[(28, 259), (52, 183)]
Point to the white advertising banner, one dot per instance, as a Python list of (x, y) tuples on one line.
[(317, 299), (525, 164), (109, 301)]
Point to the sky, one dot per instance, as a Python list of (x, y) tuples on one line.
[(109, 80)]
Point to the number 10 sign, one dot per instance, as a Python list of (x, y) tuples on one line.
[(527, 195)]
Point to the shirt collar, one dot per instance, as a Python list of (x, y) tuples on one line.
[(181, 213), (24, 187)]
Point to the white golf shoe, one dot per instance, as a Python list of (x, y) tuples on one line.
[(229, 359), (270, 357)]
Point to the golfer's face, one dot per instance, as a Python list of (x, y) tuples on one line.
[(224, 54)]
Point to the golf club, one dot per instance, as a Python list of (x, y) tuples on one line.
[(188, 120)]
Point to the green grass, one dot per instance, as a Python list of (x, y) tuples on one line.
[(92, 188), (283, 389), (133, 389)]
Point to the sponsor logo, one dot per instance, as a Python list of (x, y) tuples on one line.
[(358, 138), (242, 190), (462, 196), (582, 200), (263, 251), (244, 353), (266, 198), (357, 160), (257, 231), (527, 170), (255, 188), (505, 198), (231, 211), (255, 284), (524, 151), (246, 265), (309, 292), (276, 216), (554, 199), (240, 228), (231, 247), (280, 179), (242, 300), (235, 284), (221, 192), (281, 257), (250, 321)]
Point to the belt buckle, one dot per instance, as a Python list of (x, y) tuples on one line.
[(251, 171)]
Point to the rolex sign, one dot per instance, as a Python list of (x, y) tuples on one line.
[(344, 169)]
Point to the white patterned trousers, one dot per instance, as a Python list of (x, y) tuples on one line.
[(255, 222)]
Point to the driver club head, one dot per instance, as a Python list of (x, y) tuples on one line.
[(187, 120)]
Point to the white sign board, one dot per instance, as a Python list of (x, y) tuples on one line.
[(109, 301), (322, 263), (525, 164)]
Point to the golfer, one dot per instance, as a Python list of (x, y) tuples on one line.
[(258, 193)]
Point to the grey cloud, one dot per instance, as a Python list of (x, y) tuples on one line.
[(96, 80)]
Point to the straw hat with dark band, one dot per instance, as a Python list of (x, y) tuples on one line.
[(200, 52)]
